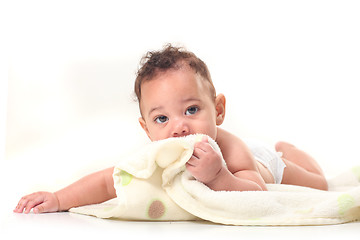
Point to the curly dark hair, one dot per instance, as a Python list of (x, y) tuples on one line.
[(169, 57)]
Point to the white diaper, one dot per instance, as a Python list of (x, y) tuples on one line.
[(269, 158)]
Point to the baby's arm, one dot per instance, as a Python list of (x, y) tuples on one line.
[(241, 173), (240, 162), (94, 188), (206, 166)]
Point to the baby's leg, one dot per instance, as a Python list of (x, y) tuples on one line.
[(301, 169), (299, 157)]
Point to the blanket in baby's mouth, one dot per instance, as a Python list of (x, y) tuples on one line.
[(153, 184)]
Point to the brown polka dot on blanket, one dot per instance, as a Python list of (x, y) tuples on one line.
[(156, 209)]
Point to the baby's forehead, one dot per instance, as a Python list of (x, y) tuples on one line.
[(195, 79), (204, 89)]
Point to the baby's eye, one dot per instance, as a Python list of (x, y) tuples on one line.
[(191, 110), (161, 119)]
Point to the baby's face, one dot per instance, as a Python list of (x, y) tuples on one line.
[(178, 103)]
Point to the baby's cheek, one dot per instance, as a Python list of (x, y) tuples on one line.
[(156, 135), (213, 133), (208, 129)]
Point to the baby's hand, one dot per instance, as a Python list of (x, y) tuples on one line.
[(41, 202), (205, 163)]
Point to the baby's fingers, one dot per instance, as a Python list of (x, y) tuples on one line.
[(28, 202), (192, 161), (21, 205), (30, 205)]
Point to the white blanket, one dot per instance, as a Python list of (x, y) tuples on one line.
[(153, 184)]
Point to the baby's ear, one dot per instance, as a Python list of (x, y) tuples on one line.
[(143, 125), (220, 103)]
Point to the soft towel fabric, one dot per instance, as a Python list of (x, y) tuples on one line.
[(153, 184)]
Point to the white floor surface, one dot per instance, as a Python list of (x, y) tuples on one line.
[(65, 225)]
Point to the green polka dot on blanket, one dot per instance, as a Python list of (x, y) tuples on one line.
[(125, 178), (356, 171), (345, 202)]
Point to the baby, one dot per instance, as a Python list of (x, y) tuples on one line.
[(176, 98)]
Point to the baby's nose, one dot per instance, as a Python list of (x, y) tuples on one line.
[(181, 128)]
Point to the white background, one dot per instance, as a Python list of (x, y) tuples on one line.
[(289, 70)]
